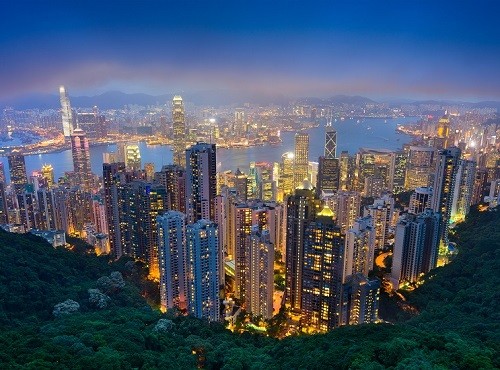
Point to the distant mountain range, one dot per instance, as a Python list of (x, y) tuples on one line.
[(118, 99)]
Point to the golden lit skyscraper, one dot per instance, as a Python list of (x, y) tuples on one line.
[(286, 175), (132, 157), (66, 112), (48, 174), (179, 127), (301, 159), (443, 129), (17, 169)]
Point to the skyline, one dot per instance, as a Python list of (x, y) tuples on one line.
[(414, 51)]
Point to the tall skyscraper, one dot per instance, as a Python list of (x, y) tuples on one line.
[(66, 112), (381, 212), (420, 199), (17, 169), (360, 300), (173, 260), (173, 178), (328, 175), (375, 163), (46, 210), (443, 130), (301, 209), (81, 159), (48, 175), (400, 164), (240, 126), (4, 210), (203, 270), (321, 278), (132, 157), (415, 247), (301, 159), (179, 128), (463, 190), (347, 165), (111, 182), (359, 248), (421, 164), (346, 208), (201, 182), (286, 176), (443, 189), (260, 284), (330, 142), (2, 174)]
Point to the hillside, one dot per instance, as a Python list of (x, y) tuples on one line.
[(458, 325)]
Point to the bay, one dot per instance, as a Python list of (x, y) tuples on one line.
[(372, 133)]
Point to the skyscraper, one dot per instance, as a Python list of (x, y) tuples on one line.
[(322, 272), (173, 260), (111, 182), (179, 129), (330, 142), (359, 248), (17, 169), (381, 212), (421, 164), (443, 130), (201, 182), (301, 159), (360, 300), (415, 247), (286, 177), (48, 174), (420, 199), (203, 270), (81, 159), (173, 178), (66, 112), (240, 126), (443, 189), (463, 190), (132, 157)]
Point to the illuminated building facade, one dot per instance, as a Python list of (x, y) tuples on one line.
[(360, 300), (66, 112), (81, 159), (173, 259), (421, 164), (443, 130), (420, 199), (173, 178), (240, 126), (359, 248), (132, 157), (322, 272), (203, 270), (286, 178), (463, 191), (201, 182), (346, 206), (375, 163), (48, 175), (179, 131), (17, 169), (381, 212), (301, 159)]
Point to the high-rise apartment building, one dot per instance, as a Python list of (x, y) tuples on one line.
[(173, 178), (132, 157), (463, 190), (111, 184), (400, 164), (201, 182), (421, 164), (346, 208), (381, 212), (301, 159), (420, 199), (17, 169), (203, 270), (81, 159), (173, 260), (66, 112), (360, 300), (374, 163), (347, 165), (444, 187), (415, 247), (179, 131), (260, 285), (359, 248)]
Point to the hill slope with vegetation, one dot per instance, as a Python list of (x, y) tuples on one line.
[(71, 309)]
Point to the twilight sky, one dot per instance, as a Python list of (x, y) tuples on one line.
[(406, 49)]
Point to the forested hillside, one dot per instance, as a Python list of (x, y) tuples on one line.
[(70, 309)]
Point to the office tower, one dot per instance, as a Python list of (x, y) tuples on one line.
[(111, 184), (200, 182), (66, 112), (203, 270), (301, 159), (300, 211), (359, 248), (46, 210), (89, 123), (266, 182), (444, 186), (179, 129), (81, 159), (420, 199), (400, 164), (375, 163), (242, 185), (322, 272), (312, 170), (132, 157), (2, 174), (347, 166), (416, 247), (443, 131), (463, 190), (360, 300), (346, 206), (286, 178), (240, 126), (241, 231), (17, 169), (328, 175), (330, 142), (374, 186), (149, 168), (421, 164), (479, 189), (48, 175), (4, 210), (173, 259), (173, 178), (260, 285), (381, 212), (79, 211)]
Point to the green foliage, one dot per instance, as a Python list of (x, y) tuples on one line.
[(458, 325)]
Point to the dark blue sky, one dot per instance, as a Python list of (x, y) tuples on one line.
[(407, 49)]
